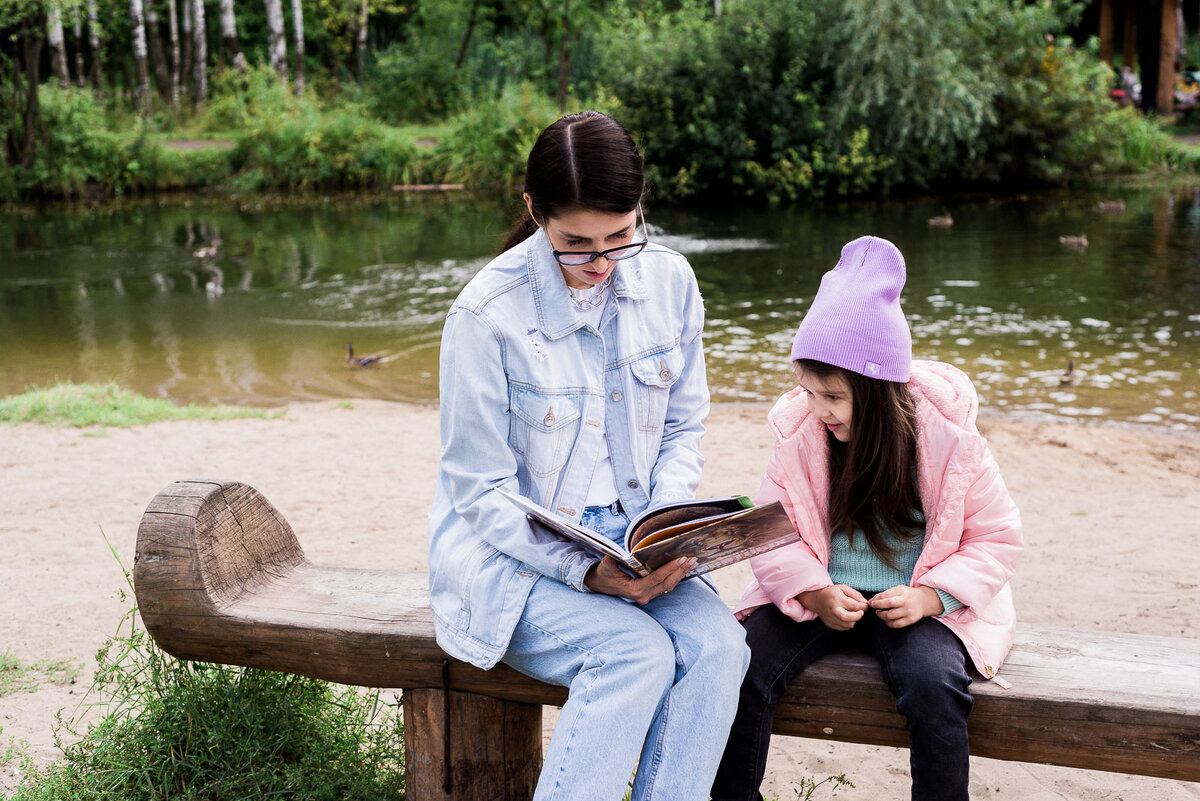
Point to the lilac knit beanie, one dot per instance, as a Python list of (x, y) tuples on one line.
[(855, 321)]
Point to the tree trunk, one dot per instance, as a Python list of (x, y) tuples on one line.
[(142, 92), (58, 44), (298, 31), (462, 50), (362, 40), (33, 111), (94, 46), (77, 32), (1106, 31), (1129, 45), (1166, 58), (276, 38), (174, 29), (162, 79), (229, 37), (200, 51)]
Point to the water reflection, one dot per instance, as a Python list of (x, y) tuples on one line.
[(207, 302)]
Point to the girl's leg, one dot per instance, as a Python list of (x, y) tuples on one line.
[(618, 663), (690, 727), (780, 649), (926, 668)]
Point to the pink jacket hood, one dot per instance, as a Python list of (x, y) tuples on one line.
[(973, 528)]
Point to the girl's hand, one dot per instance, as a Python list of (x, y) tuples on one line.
[(902, 606), (609, 579), (839, 606)]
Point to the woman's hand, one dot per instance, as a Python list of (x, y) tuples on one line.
[(902, 606), (609, 579), (839, 606)]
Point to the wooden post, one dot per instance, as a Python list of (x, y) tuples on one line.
[(1106, 31), (494, 751), (1166, 58)]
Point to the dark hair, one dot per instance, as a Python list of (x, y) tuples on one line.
[(873, 476), (582, 161)]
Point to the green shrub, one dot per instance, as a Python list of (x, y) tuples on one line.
[(187, 730), (410, 82), (490, 143), (106, 405), (241, 99)]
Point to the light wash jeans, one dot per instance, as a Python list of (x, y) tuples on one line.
[(660, 681)]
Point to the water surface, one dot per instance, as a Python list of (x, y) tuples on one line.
[(255, 304)]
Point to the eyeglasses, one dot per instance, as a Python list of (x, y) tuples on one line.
[(571, 258)]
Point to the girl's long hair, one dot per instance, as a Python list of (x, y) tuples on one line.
[(582, 161), (873, 477)]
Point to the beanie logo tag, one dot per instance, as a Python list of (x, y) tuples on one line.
[(872, 368)]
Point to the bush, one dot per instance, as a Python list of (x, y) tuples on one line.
[(239, 99), (732, 101), (412, 83), (188, 730), (489, 145)]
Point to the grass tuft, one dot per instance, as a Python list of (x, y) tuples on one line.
[(16, 677), (109, 404)]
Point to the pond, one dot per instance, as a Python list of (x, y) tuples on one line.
[(210, 301)]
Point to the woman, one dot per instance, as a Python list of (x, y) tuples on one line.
[(572, 372)]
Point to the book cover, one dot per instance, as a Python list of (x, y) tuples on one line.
[(715, 531)]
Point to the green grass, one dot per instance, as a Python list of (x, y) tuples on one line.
[(16, 677), (109, 404)]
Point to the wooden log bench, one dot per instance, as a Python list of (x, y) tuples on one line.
[(220, 577)]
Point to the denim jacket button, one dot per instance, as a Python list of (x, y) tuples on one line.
[(549, 418), (665, 374), (616, 396), (633, 484)]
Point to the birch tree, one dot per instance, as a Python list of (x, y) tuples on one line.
[(200, 50), (154, 38), (57, 43), (229, 37), (185, 21), (77, 31), (173, 27), (95, 47), (298, 31), (361, 62), (138, 24), (276, 40)]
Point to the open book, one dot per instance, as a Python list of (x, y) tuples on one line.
[(716, 531)]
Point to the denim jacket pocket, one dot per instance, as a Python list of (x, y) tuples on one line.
[(543, 428), (654, 376)]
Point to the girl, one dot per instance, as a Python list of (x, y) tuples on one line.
[(908, 534), (572, 372)]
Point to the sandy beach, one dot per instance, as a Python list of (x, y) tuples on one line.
[(1110, 519)]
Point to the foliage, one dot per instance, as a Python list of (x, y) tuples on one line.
[(106, 405), (243, 98), (414, 82), (17, 677), (489, 144), (187, 730)]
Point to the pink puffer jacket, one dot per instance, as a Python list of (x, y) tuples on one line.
[(973, 528)]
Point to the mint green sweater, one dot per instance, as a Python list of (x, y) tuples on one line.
[(852, 562)]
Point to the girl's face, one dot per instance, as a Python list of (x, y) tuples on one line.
[(830, 400), (585, 231)]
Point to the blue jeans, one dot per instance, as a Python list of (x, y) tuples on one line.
[(653, 685), (924, 665)]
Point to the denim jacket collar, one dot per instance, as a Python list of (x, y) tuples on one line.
[(556, 315)]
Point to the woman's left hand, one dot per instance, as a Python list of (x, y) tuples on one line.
[(609, 579), (902, 606)]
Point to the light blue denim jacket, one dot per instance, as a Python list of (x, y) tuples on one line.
[(527, 391)]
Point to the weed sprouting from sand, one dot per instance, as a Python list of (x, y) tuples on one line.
[(107, 405), (18, 677), (164, 728)]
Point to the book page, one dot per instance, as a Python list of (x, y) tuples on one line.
[(724, 541)]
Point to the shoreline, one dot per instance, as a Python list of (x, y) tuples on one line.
[(1109, 515)]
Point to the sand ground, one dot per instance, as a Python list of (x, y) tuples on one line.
[(1110, 525)]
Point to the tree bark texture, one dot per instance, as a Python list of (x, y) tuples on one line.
[(298, 32), (199, 51), (58, 44), (162, 77), (32, 47), (173, 28), (276, 38), (1165, 101), (361, 61), (77, 32), (138, 26), (189, 43), (1106, 31), (229, 37)]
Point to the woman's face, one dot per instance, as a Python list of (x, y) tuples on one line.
[(589, 231), (830, 400)]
